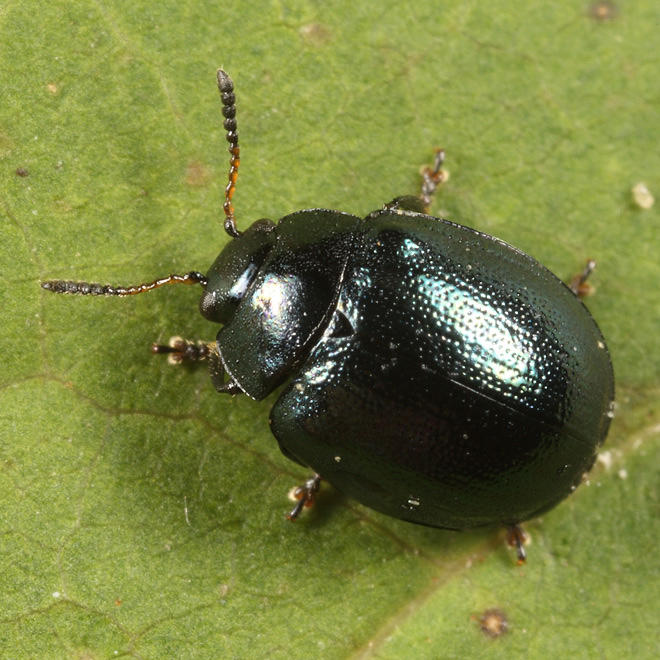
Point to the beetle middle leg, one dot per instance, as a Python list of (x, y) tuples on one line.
[(305, 495), (432, 177)]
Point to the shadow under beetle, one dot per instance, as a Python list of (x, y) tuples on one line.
[(430, 371)]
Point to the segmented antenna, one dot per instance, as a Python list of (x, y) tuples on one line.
[(226, 87), (93, 289)]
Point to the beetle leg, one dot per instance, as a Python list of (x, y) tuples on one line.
[(516, 537), (181, 350), (432, 177), (305, 495), (579, 285)]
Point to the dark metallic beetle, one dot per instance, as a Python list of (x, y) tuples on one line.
[(430, 371)]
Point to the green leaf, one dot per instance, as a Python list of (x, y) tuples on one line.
[(141, 513)]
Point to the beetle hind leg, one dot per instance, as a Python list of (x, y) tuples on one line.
[(305, 495), (517, 537)]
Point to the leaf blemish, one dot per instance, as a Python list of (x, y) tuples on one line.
[(197, 174), (493, 623)]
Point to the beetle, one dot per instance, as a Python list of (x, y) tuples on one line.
[(430, 371)]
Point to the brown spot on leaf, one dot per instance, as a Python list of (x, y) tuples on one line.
[(21, 171), (315, 34), (493, 622), (197, 174), (603, 11)]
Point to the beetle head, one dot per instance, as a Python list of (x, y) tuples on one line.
[(234, 269)]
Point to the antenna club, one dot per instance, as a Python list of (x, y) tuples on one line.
[(225, 83)]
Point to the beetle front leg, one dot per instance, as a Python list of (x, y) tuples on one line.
[(180, 350), (185, 351), (305, 495)]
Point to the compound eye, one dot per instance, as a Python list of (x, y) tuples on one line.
[(234, 270)]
